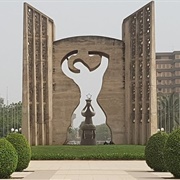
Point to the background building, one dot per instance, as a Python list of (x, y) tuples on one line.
[(168, 89), (168, 72)]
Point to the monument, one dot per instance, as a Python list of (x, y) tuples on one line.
[(88, 129), (128, 93)]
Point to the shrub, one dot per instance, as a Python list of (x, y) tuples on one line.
[(23, 150), (154, 151), (172, 153), (8, 158)]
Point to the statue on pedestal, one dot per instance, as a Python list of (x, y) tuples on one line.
[(88, 129)]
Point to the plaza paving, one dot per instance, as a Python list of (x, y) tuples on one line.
[(90, 170)]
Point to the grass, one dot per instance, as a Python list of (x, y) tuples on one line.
[(99, 152)]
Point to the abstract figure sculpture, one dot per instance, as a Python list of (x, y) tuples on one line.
[(128, 93), (94, 79), (88, 129)]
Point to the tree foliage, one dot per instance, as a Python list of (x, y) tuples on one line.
[(172, 153), (103, 132), (23, 149), (10, 118), (1, 101), (154, 151), (8, 159), (168, 111)]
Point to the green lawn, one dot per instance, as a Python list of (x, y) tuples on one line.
[(99, 152)]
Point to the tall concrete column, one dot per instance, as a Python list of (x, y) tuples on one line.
[(37, 76), (140, 75)]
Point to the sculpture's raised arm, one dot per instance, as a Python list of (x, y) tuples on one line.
[(103, 66), (66, 70)]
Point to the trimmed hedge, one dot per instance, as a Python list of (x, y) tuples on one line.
[(8, 159), (23, 149), (172, 153), (154, 151), (112, 156)]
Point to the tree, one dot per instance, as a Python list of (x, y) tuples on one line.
[(168, 111), (72, 134), (1, 101), (10, 118), (103, 132)]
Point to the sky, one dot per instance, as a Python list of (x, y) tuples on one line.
[(76, 18)]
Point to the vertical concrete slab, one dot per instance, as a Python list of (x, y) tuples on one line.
[(66, 94), (140, 75), (37, 76)]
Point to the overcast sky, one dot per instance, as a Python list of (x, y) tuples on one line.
[(76, 18)]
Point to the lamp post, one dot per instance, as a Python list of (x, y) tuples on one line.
[(12, 129), (15, 130)]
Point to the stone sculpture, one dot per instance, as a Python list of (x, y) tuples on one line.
[(88, 129)]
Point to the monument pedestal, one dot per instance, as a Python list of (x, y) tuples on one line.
[(88, 134)]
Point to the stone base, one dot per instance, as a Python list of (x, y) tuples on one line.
[(88, 142)]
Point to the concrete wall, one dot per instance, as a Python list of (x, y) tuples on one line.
[(66, 94), (38, 40), (128, 94), (140, 75)]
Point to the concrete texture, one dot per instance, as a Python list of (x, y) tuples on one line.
[(140, 75), (90, 170), (128, 93), (66, 95), (38, 37)]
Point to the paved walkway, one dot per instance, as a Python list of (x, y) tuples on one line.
[(89, 170)]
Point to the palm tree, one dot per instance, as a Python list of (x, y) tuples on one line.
[(168, 111)]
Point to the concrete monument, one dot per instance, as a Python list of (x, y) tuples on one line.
[(128, 93)]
